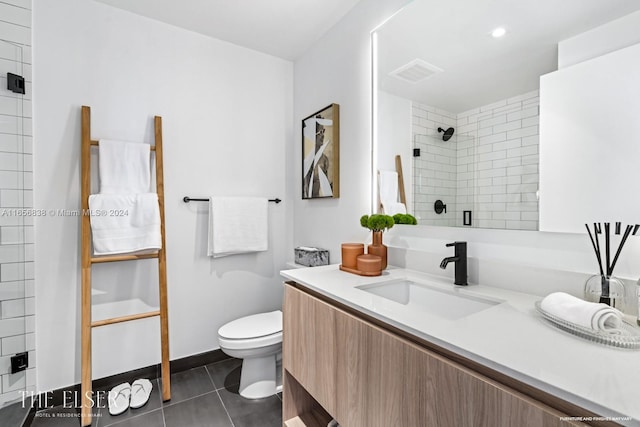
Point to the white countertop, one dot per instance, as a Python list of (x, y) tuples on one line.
[(510, 337)]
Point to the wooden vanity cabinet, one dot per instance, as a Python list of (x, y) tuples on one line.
[(337, 365)]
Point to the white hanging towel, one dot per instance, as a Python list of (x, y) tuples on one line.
[(388, 184), (124, 167), (122, 223), (237, 225)]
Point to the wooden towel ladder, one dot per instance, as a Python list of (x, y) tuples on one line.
[(88, 260)]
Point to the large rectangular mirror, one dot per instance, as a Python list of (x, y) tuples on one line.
[(456, 95)]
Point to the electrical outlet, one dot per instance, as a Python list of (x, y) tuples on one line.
[(19, 362), (15, 83)]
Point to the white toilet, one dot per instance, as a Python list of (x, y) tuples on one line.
[(257, 339)]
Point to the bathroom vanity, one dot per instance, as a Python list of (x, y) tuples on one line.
[(374, 352)]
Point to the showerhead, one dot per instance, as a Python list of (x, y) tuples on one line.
[(447, 133)]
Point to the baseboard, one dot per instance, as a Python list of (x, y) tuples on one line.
[(61, 396)]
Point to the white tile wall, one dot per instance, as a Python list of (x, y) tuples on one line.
[(507, 162), (11, 327), (492, 160), (17, 302), (12, 290), (435, 171), (13, 345), (25, 4), (15, 15)]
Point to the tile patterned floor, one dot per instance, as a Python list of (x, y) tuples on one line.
[(13, 415), (206, 396)]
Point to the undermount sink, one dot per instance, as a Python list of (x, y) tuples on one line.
[(448, 304)]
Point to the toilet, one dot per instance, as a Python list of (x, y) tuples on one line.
[(257, 339)]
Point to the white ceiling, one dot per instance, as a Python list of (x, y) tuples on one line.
[(478, 69), (283, 28)]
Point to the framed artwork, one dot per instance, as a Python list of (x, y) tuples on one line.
[(321, 154)]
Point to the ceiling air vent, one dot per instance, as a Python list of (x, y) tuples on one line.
[(415, 71)]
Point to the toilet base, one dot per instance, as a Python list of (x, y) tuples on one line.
[(258, 377), (279, 374)]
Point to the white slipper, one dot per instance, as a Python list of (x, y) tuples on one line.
[(119, 398), (140, 392)]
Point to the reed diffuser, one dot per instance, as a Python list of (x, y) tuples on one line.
[(604, 287)]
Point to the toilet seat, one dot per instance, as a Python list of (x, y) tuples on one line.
[(258, 330), (249, 343)]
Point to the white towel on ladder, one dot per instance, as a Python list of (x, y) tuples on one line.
[(124, 167), (122, 223), (237, 225), (125, 216)]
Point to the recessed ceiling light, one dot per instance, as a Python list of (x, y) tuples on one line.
[(498, 32)]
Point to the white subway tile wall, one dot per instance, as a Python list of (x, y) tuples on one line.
[(435, 171), (17, 290), (490, 166)]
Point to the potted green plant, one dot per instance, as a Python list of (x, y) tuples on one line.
[(377, 223), (405, 219)]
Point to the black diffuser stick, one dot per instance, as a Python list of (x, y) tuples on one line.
[(627, 231), (597, 230), (595, 249), (607, 242), (635, 229), (604, 280), (618, 226)]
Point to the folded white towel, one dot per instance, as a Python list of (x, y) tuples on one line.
[(122, 223), (590, 315), (124, 167), (388, 184), (237, 225)]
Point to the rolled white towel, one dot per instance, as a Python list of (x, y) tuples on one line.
[(590, 315)]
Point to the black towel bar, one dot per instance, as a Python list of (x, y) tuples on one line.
[(188, 199)]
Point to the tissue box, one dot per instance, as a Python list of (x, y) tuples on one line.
[(311, 257)]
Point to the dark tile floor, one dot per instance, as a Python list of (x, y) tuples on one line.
[(206, 396), (13, 415)]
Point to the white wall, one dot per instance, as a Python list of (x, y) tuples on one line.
[(589, 142), (395, 134), (617, 34), (610, 40), (337, 68), (227, 131), (17, 294)]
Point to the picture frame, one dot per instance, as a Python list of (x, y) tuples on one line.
[(321, 154)]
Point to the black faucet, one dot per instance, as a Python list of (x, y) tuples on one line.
[(460, 258)]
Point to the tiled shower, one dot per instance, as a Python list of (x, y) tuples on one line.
[(489, 166), (17, 288)]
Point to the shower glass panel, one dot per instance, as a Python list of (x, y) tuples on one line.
[(444, 170), (16, 223)]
